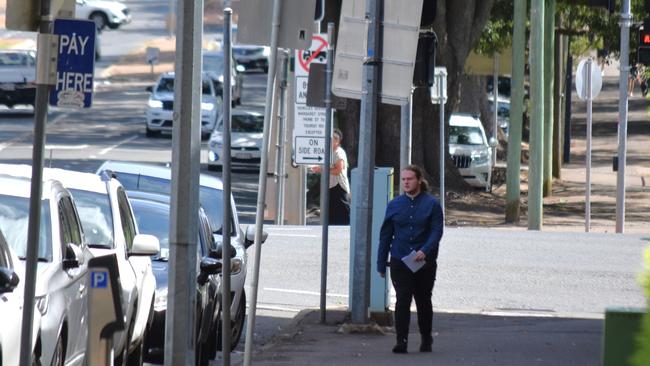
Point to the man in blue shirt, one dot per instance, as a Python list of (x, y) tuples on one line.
[(411, 232)]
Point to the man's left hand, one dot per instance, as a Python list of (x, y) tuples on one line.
[(420, 256)]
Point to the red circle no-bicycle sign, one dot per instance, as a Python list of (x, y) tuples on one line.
[(317, 53)]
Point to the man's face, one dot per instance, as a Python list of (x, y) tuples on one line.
[(410, 183), (335, 142)]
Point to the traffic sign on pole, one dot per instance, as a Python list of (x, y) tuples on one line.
[(76, 63), (309, 125)]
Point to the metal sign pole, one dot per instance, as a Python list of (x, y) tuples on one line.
[(227, 210), (281, 146), (40, 120), (405, 136), (588, 67), (495, 123), (325, 175), (261, 194), (626, 20), (363, 199), (443, 148)]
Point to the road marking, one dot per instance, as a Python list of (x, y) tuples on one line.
[(127, 140), (66, 147), (276, 308), (23, 136), (295, 235), (301, 292)]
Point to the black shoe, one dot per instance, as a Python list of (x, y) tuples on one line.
[(400, 347), (427, 342)]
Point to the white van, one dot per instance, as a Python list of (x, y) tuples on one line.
[(470, 149)]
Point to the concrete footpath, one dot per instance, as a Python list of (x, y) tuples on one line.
[(459, 339)]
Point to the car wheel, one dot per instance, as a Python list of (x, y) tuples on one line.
[(135, 358), (265, 69), (113, 25), (151, 133), (238, 323), (59, 353), (100, 19), (215, 168)]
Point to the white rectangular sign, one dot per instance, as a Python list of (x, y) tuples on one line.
[(309, 121), (309, 150)]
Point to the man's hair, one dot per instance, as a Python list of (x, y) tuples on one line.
[(419, 174), (337, 134)]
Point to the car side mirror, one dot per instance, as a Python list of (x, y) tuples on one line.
[(72, 257), (249, 238), (209, 266), (492, 142), (218, 253), (240, 68), (149, 89), (8, 280), (145, 245)]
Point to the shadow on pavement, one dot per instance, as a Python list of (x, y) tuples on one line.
[(459, 339)]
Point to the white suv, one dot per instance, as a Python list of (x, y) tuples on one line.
[(160, 106), (470, 150)]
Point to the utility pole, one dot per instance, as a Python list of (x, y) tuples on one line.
[(560, 41), (513, 177), (566, 139), (186, 149), (43, 83), (549, 75), (626, 20), (363, 199), (536, 161)]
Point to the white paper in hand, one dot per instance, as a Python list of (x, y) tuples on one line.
[(411, 263)]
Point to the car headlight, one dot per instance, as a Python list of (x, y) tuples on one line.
[(207, 106), (42, 303), (160, 301), (220, 78), (154, 103), (480, 158), (266, 51)]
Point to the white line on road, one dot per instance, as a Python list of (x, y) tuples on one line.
[(303, 292), (66, 147), (127, 140), (294, 235)]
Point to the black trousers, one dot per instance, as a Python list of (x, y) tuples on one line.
[(339, 206), (408, 286)]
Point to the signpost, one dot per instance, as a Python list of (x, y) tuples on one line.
[(588, 84), (309, 125), (75, 64)]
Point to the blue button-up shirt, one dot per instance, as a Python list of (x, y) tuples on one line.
[(410, 224)]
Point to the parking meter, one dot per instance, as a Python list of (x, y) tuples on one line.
[(105, 314)]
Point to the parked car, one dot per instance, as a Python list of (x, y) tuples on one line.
[(157, 179), (61, 280), (503, 120), (160, 106), (103, 12), (246, 141), (12, 289), (213, 66), (470, 149), (17, 77), (109, 228), (252, 57), (152, 213)]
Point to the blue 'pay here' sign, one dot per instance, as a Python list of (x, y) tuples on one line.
[(76, 63)]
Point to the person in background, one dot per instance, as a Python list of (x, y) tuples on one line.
[(339, 186), (411, 232)]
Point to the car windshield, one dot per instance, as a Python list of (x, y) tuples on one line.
[(211, 199), (96, 217), (14, 217), (466, 135), (166, 85), (251, 123), (213, 62)]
